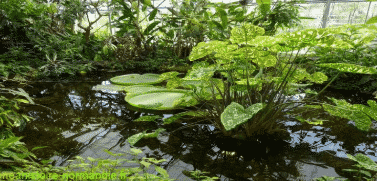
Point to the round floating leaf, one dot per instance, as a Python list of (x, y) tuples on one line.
[(109, 87), (135, 79), (161, 99), (141, 88)]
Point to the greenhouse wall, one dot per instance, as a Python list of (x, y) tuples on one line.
[(327, 13)]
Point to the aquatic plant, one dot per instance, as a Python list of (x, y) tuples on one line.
[(252, 94)]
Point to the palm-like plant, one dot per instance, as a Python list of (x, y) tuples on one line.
[(53, 66)]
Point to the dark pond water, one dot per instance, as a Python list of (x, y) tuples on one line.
[(75, 120)]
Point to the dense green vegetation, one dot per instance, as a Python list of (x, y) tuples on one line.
[(39, 42)]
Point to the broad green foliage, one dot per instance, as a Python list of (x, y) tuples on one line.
[(174, 83), (351, 68), (364, 162), (300, 74), (169, 75), (135, 138), (10, 146), (264, 6), (268, 61), (235, 114), (252, 81), (354, 36), (132, 79), (9, 117), (203, 49), (307, 37), (161, 99), (317, 77), (224, 54), (249, 31), (359, 113), (264, 41), (249, 51), (201, 70), (372, 20), (147, 118), (100, 165)]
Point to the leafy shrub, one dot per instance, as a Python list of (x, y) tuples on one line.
[(10, 146), (15, 62), (106, 166)]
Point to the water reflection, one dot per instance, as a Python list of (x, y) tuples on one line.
[(80, 121)]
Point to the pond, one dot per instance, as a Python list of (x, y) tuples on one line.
[(78, 121)]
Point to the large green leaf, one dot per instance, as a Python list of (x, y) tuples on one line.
[(264, 6), (153, 14), (134, 79), (141, 88), (169, 75), (361, 114), (150, 27), (218, 25), (364, 161), (109, 87), (267, 61), (351, 68), (372, 20), (235, 114), (225, 54), (162, 99), (200, 70), (204, 87), (264, 41), (249, 31), (318, 77), (203, 49), (308, 37), (223, 17)]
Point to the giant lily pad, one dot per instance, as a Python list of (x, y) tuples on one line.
[(162, 99), (109, 88), (141, 88), (135, 79)]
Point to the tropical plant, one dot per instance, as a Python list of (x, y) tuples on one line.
[(365, 164), (87, 29), (283, 14), (130, 23), (16, 61), (10, 146), (9, 116), (53, 66), (68, 47), (264, 93), (87, 171), (351, 48), (261, 92), (353, 40)]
